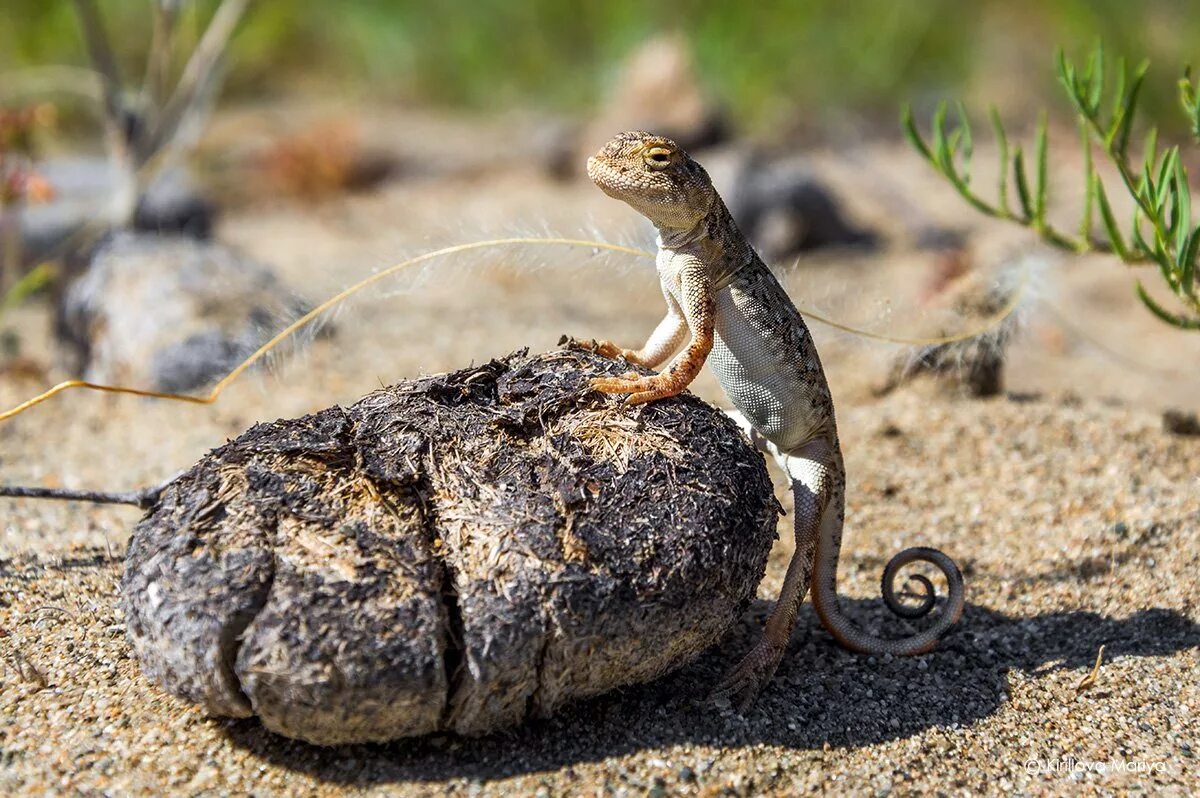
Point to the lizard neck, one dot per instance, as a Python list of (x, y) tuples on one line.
[(715, 240), (683, 239)]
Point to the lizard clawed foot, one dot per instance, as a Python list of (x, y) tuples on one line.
[(628, 382), (752, 674), (640, 389)]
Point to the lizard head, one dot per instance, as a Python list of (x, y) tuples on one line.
[(656, 177)]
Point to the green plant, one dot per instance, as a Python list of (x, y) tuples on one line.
[(1161, 232), (38, 279)]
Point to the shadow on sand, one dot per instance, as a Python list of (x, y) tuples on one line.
[(821, 694)]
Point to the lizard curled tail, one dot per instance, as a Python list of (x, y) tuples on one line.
[(824, 583), (818, 488), (815, 470)]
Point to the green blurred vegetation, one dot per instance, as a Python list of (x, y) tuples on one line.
[(1105, 101), (769, 60)]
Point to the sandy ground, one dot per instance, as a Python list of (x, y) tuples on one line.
[(1076, 519)]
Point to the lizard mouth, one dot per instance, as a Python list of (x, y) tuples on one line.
[(594, 168), (606, 178)]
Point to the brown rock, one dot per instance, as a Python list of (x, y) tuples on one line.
[(456, 553)]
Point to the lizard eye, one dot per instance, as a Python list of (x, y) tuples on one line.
[(658, 157)]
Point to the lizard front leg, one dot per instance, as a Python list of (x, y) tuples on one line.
[(697, 306), (665, 341)]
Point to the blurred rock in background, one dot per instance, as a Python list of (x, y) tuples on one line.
[(657, 89), (168, 312), (980, 303), (84, 186), (785, 210)]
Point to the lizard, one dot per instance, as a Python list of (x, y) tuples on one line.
[(726, 308)]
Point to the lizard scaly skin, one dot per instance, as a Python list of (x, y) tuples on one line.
[(724, 301)]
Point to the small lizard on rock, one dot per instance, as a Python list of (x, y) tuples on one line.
[(741, 321)]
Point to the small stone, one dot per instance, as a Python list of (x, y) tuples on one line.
[(1178, 422)]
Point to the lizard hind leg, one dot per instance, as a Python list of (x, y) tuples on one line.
[(812, 479)]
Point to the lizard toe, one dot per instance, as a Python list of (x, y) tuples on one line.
[(654, 388), (651, 395), (750, 676), (629, 382), (608, 349), (641, 397)]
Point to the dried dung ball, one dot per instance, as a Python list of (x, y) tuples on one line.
[(456, 553)]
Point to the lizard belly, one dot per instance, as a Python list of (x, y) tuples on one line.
[(768, 366)]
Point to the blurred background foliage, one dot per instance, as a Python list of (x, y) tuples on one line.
[(806, 63)]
